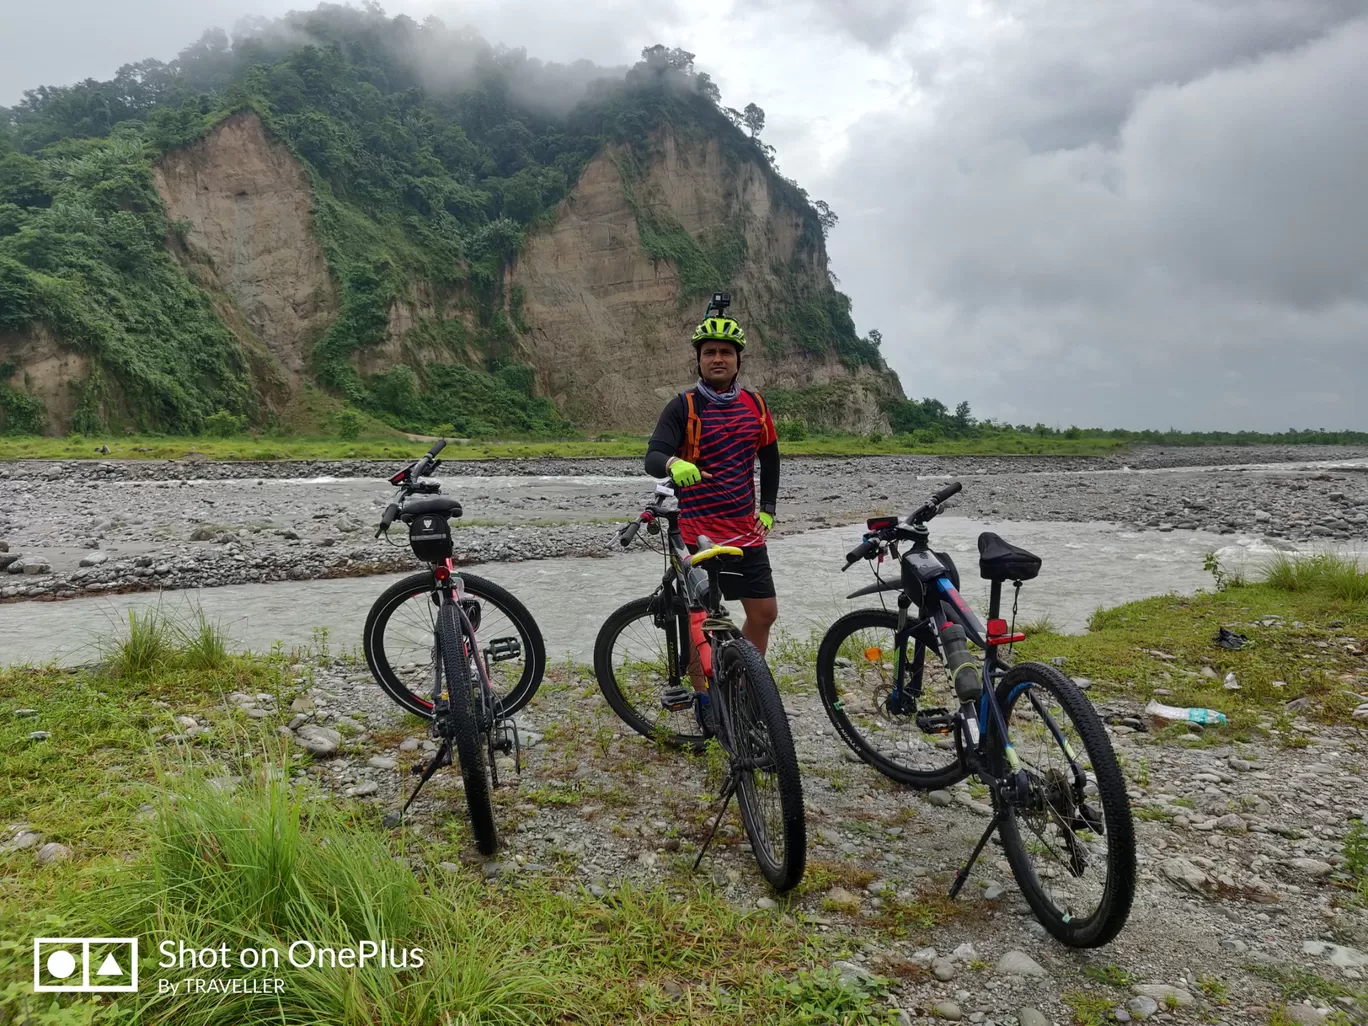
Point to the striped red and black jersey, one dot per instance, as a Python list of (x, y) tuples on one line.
[(722, 505)]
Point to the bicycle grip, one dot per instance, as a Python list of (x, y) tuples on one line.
[(387, 518), (437, 447), (864, 550), (946, 492), (628, 534)]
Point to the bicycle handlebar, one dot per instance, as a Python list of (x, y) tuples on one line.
[(408, 482), (628, 534), (953, 488), (865, 550)]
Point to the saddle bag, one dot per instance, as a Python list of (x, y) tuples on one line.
[(430, 537)]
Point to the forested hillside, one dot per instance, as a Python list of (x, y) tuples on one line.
[(430, 161)]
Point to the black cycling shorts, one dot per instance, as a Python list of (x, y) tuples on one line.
[(747, 576)]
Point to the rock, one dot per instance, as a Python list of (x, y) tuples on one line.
[(22, 840), (319, 740), (363, 789), (450, 867), (1232, 824), (39, 735), (1186, 875), (95, 559), (302, 704), (34, 567), (1142, 1007), (993, 892), (1018, 963), (494, 870), (941, 799), (966, 952), (201, 534), (1314, 868), (53, 852), (7, 559), (1240, 765), (851, 973), (1345, 958), (943, 969), (948, 1010), (1031, 1017), (843, 899), (381, 762), (768, 904), (1083, 683), (1234, 945), (1164, 995), (1305, 1015), (1262, 516), (25, 714), (409, 744)]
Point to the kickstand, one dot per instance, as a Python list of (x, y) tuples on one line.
[(963, 874), (440, 759), (728, 789)]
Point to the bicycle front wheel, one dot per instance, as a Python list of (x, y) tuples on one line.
[(399, 650), (465, 705), (634, 671), (1071, 841), (856, 679), (769, 789)]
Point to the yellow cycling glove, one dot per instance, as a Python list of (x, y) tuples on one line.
[(684, 473)]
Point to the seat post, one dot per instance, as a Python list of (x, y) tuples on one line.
[(994, 600)]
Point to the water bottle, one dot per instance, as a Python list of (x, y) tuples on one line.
[(962, 664), (1164, 714)]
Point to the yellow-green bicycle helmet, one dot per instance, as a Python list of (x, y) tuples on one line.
[(720, 329)]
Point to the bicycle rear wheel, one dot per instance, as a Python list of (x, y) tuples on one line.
[(632, 665), (769, 789), (465, 705), (1071, 848), (398, 642), (855, 678)]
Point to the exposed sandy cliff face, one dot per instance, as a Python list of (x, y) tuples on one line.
[(46, 370), (609, 336), (249, 205)]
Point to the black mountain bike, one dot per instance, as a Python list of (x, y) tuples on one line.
[(453, 648), (642, 657), (1026, 731)]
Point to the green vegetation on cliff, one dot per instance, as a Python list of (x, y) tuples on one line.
[(431, 155)]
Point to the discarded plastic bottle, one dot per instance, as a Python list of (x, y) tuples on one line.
[(1164, 714)]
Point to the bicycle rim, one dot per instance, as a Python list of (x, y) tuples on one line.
[(856, 678), (632, 666), (400, 652), (1072, 855)]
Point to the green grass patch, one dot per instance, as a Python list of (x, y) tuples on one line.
[(165, 848), (1301, 644)]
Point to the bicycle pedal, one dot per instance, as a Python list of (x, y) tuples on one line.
[(935, 721), (502, 649), (675, 699)]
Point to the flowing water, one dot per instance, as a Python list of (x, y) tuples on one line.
[(1086, 566)]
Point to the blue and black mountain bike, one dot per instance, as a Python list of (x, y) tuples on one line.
[(1025, 731)]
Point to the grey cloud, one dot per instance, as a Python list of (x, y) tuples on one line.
[(1207, 267), (873, 23)]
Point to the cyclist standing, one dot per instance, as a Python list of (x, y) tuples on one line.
[(707, 442)]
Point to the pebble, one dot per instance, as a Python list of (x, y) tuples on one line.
[(23, 839), (363, 789), (1304, 1015), (1232, 824), (1031, 1017), (1142, 1006), (768, 904), (852, 973), (382, 762), (1339, 955), (944, 969), (1234, 945), (1314, 868), (948, 1010), (941, 799), (994, 891), (319, 740), (53, 852), (1018, 963)]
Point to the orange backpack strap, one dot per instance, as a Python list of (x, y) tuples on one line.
[(693, 430), (760, 410)]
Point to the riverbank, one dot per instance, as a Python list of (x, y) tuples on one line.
[(73, 529), (1251, 907)]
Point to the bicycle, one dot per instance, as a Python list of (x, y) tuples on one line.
[(468, 692), (1048, 802), (645, 678)]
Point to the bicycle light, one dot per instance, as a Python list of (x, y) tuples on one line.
[(442, 573)]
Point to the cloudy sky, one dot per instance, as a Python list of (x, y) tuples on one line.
[(1141, 213)]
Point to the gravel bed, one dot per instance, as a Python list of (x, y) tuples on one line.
[(75, 528)]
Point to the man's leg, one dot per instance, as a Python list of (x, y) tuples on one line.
[(760, 616)]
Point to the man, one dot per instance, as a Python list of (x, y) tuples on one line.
[(707, 441)]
